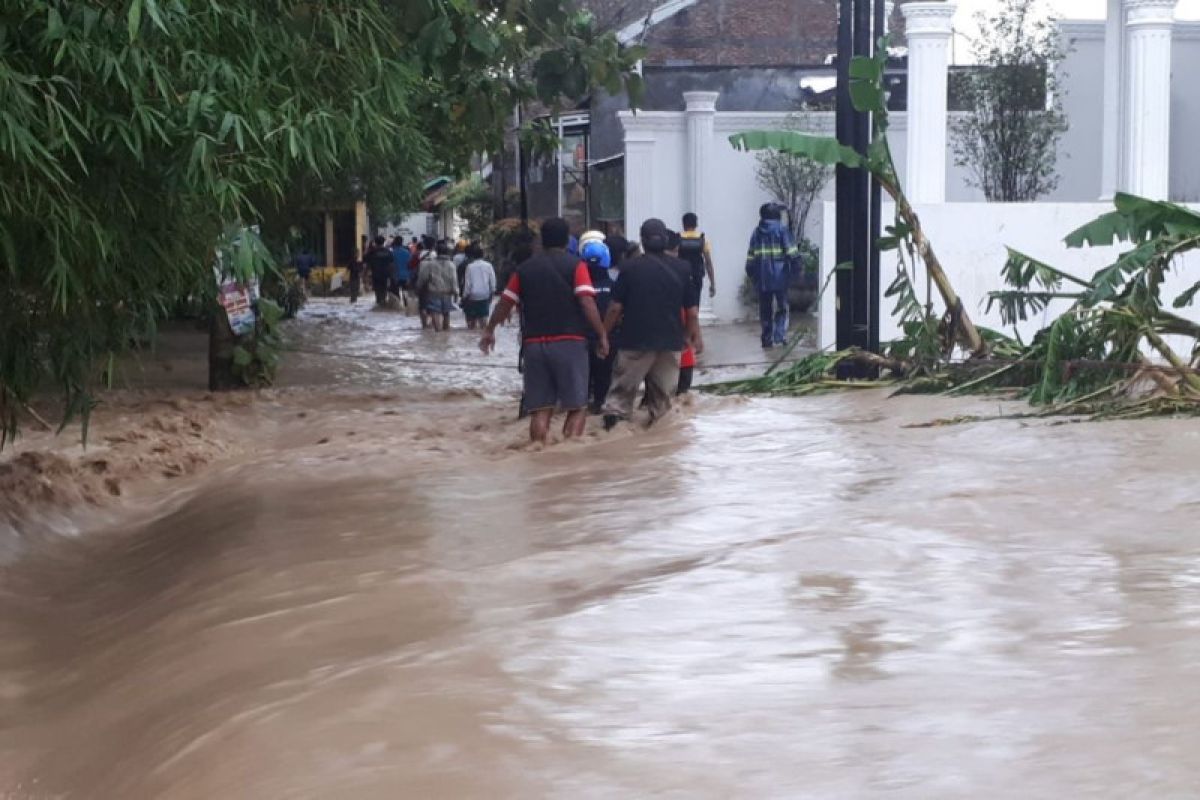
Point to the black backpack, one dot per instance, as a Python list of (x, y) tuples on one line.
[(691, 250)]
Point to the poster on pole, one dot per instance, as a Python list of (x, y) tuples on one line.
[(237, 300)]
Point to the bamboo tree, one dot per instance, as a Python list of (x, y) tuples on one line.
[(133, 132)]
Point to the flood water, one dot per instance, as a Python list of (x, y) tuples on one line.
[(756, 599)]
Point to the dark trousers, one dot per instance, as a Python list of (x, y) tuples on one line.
[(685, 379), (600, 376), (355, 284), (773, 314), (379, 282)]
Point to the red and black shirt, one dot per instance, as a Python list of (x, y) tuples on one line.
[(547, 288)]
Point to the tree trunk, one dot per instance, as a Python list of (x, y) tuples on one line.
[(967, 334), (221, 342)]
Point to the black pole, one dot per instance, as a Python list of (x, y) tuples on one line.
[(858, 200), (863, 244)]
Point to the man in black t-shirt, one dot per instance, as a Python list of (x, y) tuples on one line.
[(656, 303), (558, 307), (380, 262)]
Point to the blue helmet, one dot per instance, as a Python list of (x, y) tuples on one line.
[(596, 254)]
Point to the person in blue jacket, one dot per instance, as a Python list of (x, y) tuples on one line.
[(401, 255), (769, 264)]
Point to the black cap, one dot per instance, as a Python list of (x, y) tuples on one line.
[(654, 235)]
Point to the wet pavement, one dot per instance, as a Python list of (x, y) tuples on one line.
[(756, 598)]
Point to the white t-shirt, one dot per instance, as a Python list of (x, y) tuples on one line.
[(480, 282)]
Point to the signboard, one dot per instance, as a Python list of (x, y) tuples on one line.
[(237, 300)]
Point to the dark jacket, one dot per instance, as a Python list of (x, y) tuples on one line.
[(772, 257)]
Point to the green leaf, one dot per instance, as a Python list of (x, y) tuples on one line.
[(481, 39), (867, 97), (823, 149), (134, 18), (1187, 297), (866, 68), (241, 356), (270, 311)]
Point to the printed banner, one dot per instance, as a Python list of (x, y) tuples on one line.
[(236, 300)]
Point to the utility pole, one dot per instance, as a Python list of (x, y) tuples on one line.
[(860, 24)]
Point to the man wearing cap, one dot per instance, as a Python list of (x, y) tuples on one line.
[(558, 307), (656, 303)]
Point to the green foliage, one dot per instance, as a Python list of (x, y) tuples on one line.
[(241, 254), (506, 236), (1008, 136), (132, 132), (813, 374), (1116, 313), (472, 199)]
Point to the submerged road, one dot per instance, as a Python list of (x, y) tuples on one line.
[(757, 599)]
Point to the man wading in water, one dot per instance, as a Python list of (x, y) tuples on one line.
[(656, 302), (558, 305)]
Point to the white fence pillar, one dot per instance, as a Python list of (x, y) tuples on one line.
[(1112, 169), (639, 180), (701, 112), (1148, 134), (928, 29)]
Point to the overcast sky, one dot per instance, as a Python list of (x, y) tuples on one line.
[(1067, 9)]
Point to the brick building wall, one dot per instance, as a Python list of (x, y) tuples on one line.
[(731, 33)]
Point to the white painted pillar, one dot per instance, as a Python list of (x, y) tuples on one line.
[(928, 29), (700, 114), (639, 180), (1148, 26), (1113, 133)]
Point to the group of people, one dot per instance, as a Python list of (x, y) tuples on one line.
[(434, 272), (600, 317), (600, 323)]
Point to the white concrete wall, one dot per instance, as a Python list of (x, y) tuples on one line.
[(1082, 82), (969, 235), (655, 185), (970, 240)]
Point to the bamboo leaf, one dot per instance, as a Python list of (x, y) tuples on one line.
[(134, 18)]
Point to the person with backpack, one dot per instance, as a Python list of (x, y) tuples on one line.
[(695, 249)]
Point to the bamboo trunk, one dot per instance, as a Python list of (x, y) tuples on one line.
[(221, 342)]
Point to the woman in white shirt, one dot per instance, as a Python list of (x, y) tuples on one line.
[(479, 286)]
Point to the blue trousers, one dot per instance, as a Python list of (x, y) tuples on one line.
[(773, 314)]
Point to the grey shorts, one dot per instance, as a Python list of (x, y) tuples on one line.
[(439, 304), (556, 375)]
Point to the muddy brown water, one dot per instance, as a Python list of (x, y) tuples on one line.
[(757, 599)]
